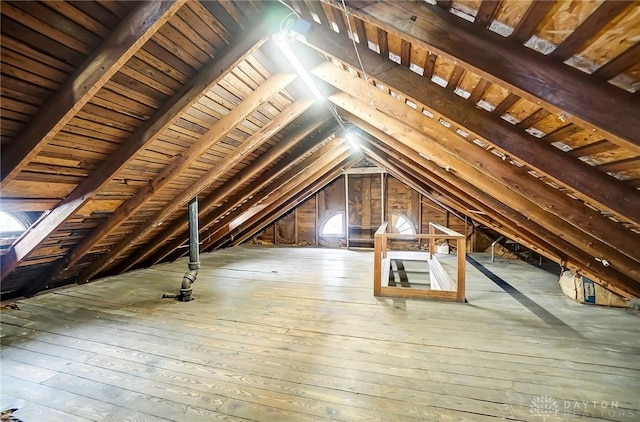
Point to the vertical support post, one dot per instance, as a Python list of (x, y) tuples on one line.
[(419, 219), (295, 226), (462, 259), (432, 241), (383, 217), (346, 207), (377, 264), (317, 228)]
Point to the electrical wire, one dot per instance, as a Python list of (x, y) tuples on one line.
[(355, 47), (290, 8)]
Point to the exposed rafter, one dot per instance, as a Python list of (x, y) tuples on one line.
[(297, 178), (297, 194), (227, 123), (219, 195), (607, 192), (502, 180), (523, 71), (570, 256), (159, 122), (121, 44)]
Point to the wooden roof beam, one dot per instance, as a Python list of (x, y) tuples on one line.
[(296, 196), (521, 228), (221, 226), (559, 251), (622, 62), (221, 128), (219, 195), (487, 12), (281, 191), (514, 178), (575, 258), (600, 189), (587, 101), (121, 44), (515, 188), (590, 27), (415, 179), (297, 154), (163, 118), (531, 19)]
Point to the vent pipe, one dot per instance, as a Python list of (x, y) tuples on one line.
[(194, 256)]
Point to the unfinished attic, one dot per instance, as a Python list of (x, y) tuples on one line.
[(285, 164)]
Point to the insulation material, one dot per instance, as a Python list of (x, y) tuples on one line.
[(306, 222), (502, 252), (267, 236), (285, 229), (583, 290)]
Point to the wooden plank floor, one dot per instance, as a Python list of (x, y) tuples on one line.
[(294, 334)]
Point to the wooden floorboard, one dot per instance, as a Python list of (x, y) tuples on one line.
[(296, 334)]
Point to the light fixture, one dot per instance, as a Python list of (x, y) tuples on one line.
[(282, 42), (350, 136)]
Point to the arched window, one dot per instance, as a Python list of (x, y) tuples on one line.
[(333, 226), (10, 224), (401, 224)]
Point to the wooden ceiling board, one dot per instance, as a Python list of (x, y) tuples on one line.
[(622, 33), (585, 137), (443, 69), (91, 23), (522, 109), (469, 82), (549, 124), (469, 7), (123, 102), (629, 80), (495, 94), (37, 16), (568, 16), (510, 14)]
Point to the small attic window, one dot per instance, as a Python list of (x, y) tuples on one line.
[(334, 226), (401, 224), (10, 224)]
